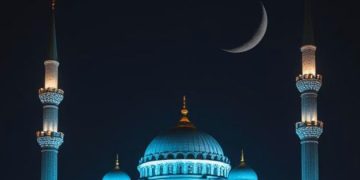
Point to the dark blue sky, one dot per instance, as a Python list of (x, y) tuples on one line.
[(125, 66)]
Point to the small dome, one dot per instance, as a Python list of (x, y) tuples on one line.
[(242, 172), (116, 175)]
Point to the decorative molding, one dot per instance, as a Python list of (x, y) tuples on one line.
[(184, 167)]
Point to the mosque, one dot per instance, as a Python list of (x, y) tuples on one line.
[(184, 151)]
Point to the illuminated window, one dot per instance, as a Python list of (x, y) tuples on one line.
[(190, 169)]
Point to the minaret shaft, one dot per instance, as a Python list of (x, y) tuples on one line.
[(51, 73), (308, 59), (50, 118), (309, 160), (309, 107), (49, 163)]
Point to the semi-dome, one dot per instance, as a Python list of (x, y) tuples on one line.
[(242, 172), (116, 173), (184, 152)]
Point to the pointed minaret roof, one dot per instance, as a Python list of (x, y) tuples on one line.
[(184, 120), (52, 48), (117, 164), (308, 36)]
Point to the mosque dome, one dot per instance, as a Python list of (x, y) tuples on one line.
[(183, 142), (182, 152), (242, 172), (116, 173)]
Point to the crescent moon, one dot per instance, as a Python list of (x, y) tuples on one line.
[(256, 38)]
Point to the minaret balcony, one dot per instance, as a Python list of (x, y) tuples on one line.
[(309, 130), (51, 96), (308, 82), (50, 139)]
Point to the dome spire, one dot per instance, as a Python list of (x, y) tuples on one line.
[(184, 120), (242, 161), (117, 164), (52, 48), (184, 111)]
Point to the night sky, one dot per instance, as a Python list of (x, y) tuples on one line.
[(125, 66)]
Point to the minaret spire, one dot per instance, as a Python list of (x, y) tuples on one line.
[(308, 36), (49, 138), (309, 129), (52, 47)]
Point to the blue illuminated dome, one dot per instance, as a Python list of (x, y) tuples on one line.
[(184, 152), (183, 143), (116, 174), (242, 172)]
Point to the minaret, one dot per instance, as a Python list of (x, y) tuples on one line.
[(50, 139), (309, 83)]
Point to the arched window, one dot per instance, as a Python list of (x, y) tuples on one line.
[(152, 170), (170, 156), (180, 169), (221, 171), (208, 169), (199, 168), (208, 157), (171, 169), (148, 171), (190, 156), (161, 169), (215, 171), (153, 158), (180, 156), (190, 169), (161, 157)]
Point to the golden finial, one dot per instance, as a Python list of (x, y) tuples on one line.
[(184, 102), (53, 4), (184, 111), (242, 161), (184, 120), (117, 164)]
